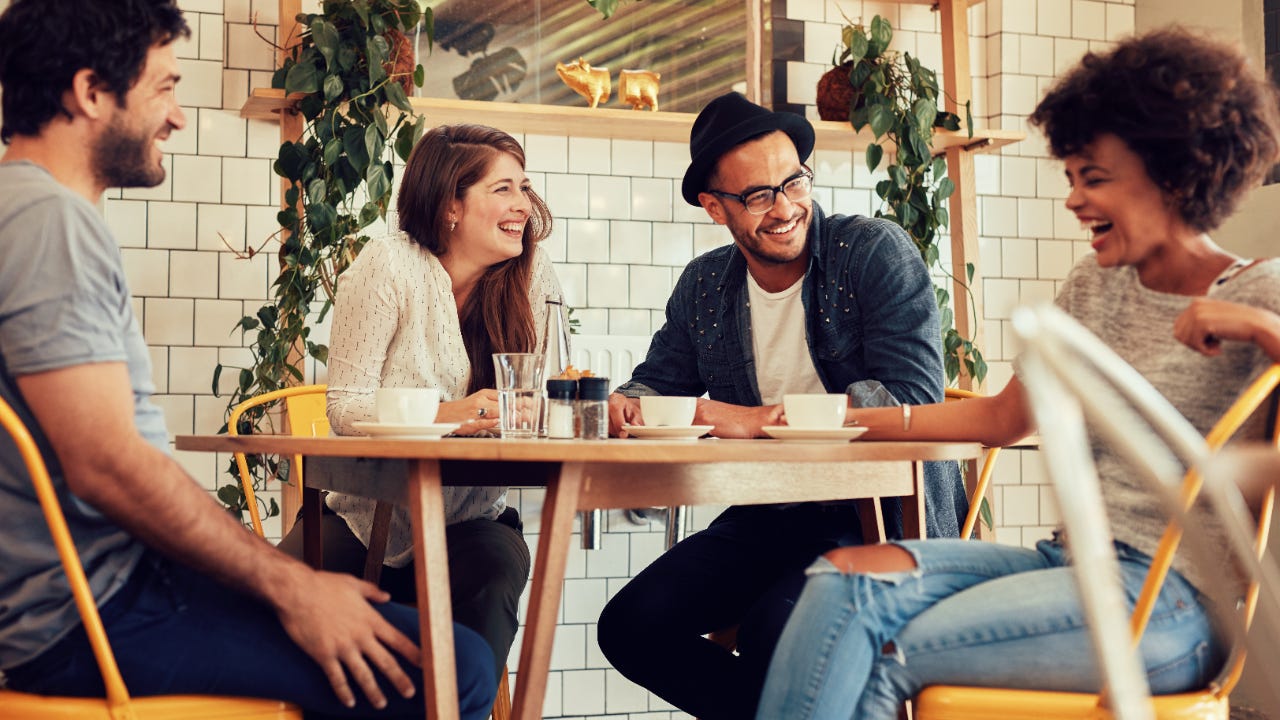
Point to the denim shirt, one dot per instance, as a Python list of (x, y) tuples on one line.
[(871, 325)]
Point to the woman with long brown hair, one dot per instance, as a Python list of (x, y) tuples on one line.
[(427, 308)]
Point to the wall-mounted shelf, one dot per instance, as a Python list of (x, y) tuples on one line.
[(268, 103)]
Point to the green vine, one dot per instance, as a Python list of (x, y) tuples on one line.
[(352, 64), (898, 98)]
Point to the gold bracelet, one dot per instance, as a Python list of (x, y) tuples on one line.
[(906, 417)]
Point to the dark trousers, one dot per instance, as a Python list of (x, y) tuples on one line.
[(176, 632), (746, 569), (488, 569)]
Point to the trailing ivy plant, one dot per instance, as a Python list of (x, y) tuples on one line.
[(353, 67), (898, 98)]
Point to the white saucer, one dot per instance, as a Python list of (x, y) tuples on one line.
[(787, 432), (666, 432), (380, 429)]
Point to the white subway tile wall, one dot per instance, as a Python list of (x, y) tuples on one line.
[(198, 250)]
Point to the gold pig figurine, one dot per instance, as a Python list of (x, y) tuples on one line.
[(639, 87), (591, 83)]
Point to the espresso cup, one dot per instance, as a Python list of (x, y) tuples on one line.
[(814, 411), (663, 410), (406, 406)]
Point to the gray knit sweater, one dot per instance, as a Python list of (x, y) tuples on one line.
[(1138, 324)]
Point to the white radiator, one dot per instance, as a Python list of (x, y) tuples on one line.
[(614, 356)]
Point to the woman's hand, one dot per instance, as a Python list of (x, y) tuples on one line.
[(1207, 322), (477, 411)]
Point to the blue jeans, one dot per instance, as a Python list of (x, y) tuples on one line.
[(970, 613), (174, 631)]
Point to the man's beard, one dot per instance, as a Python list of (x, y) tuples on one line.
[(751, 244), (123, 159)]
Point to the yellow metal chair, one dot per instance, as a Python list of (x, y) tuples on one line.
[(977, 703), (305, 409), (117, 705), (984, 477)]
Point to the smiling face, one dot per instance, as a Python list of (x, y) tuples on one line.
[(126, 153), (1130, 220), (492, 214), (775, 243)]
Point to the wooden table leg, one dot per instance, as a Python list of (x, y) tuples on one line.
[(544, 596), (312, 535), (431, 569), (913, 524), (871, 516)]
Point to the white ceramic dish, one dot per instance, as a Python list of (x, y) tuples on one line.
[(380, 429), (787, 432), (668, 432)]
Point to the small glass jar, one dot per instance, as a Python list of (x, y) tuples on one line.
[(562, 408), (593, 408)]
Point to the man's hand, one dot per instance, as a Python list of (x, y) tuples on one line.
[(737, 421), (329, 616), (623, 410)]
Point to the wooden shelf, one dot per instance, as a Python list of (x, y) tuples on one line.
[(267, 103)]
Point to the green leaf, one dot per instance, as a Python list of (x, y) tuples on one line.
[(396, 96), (357, 154), (968, 271), (376, 52), (317, 190), (369, 213), (217, 373), (302, 79), (925, 111), (881, 32), (325, 36), (246, 381), (939, 167), (378, 181), (332, 88), (881, 119), (419, 76), (856, 42), (874, 153), (373, 143), (858, 118), (604, 7), (945, 188), (231, 495)]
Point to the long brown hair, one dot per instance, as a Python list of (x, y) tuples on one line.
[(496, 316)]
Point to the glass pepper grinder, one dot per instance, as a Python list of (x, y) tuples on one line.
[(554, 349), (593, 408)]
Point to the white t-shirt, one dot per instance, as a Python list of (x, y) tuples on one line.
[(778, 341)]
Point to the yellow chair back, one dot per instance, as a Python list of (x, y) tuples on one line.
[(970, 703), (117, 705), (305, 410), (984, 478)]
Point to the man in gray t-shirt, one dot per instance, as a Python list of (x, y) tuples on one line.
[(191, 601)]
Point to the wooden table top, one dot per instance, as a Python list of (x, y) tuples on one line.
[(614, 450)]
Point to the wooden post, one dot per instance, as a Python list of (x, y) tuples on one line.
[(290, 131), (967, 296)]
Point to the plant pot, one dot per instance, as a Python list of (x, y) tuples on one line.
[(835, 95)]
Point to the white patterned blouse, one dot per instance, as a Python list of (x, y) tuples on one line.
[(396, 325)]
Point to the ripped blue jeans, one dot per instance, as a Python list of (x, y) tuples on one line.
[(971, 613)]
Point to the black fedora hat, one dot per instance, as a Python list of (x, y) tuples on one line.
[(727, 122)]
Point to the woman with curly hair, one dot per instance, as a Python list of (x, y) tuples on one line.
[(1160, 136)]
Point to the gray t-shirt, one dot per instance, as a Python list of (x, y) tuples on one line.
[(1138, 324), (63, 302)]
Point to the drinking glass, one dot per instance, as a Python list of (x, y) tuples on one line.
[(519, 380)]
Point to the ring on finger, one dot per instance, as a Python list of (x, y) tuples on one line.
[(482, 412)]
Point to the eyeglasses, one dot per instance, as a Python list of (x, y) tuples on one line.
[(760, 200)]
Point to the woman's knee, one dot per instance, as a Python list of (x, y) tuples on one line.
[(882, 558)]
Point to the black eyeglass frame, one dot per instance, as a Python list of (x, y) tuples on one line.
[(741, 197)]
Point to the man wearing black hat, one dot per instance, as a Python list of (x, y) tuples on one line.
[(799, 303)]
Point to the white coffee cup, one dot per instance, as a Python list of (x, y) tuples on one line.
[(667, 411), (406, 406), (815, 411)]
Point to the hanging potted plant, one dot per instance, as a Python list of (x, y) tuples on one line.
[(897, 97), (352, 65)]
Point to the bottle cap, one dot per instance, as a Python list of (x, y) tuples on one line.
[(558, 389), (593, 388)]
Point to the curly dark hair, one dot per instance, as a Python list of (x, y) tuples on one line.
[(44, 44), (1204, 121)]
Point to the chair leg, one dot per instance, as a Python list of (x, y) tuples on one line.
[(502, 703), (378, 542)]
